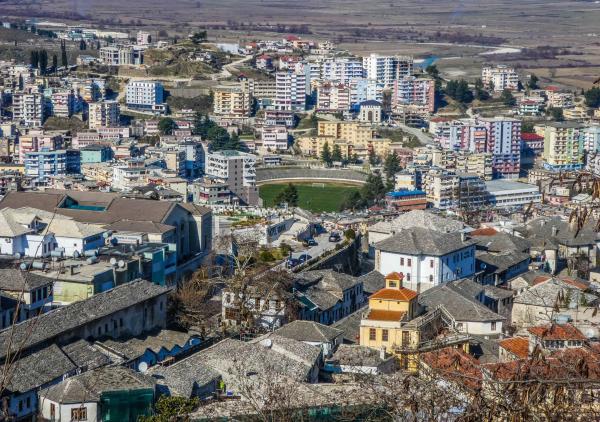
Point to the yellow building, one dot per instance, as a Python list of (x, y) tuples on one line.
[(563, 145), (313, 145), (232, 100), (387, 323), (353, 132)]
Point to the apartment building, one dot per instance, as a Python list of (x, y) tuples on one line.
[(274, 138), (353, 132), (410, 90), (238, 170), (591, 139), (42, 165), (291, 91), (63, 103), (451, 190), (145, 95), (120, 56), (232, 100), (103, 114), (341, 69), (362, 89), (333, 97), (143, 38), (127, 177), (36, 141), (480, 164), (29, 108), (563, 146), (386, 69), (500, 77)]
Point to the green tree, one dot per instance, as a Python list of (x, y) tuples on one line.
[(480, 93), (556, 113), (171, 408), (353, 201), (532, 83), (592, 97), (432, 71), (507, 98), (391, 165), (326, 154), (43, 61), (64, 60), (54, 62), (350, 234), (34, 59), (459, 91), (289, 195), (373, 158), (82, 45), (373, 190), (336, 154), (199, 37), (527, 126), (166, 126)]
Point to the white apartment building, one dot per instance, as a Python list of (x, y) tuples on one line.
[(426, 257), (28, 108), (274, 138), (501, 77), (386, 69), (125, 177), (291, 91), (362, 89), (507, 194), (238, 170), (341, 69), (144, 94), (591, 139), (117, 56), (103, 114), (143, 38)]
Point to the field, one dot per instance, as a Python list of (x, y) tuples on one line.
[(315, 197)]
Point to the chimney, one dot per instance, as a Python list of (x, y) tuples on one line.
[(554, 230), (382, 353), (463, 236)]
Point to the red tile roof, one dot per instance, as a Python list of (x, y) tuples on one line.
[(395, 276), (381, 315), (518, 346), (531, 137), (557, 332), (484, 231), (541, 279), (455, 365), (394, 294), (579, 284)]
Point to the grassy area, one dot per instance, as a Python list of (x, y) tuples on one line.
[(312, 196)]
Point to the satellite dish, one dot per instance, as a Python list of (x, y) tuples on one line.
[(113, 261), (267, 343), (143, 367), (121, 263)]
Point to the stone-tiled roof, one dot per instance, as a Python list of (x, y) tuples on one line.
[(13, 280), (135, 347), (459, 305), (546, 293), (501, 242), (49, 325), (309, 331), (352, 355), (497, 263), (181, 378), (555, 230), (350, 326), (89, 386), (418, 218), (372, 282), (421, 241), (85, 355)]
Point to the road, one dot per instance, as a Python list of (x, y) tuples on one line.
[(227, 69), (423, 137), (323, 245)]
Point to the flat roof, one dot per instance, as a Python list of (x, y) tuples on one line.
[(504, 185)]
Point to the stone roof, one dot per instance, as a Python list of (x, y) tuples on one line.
[(372, 282), (546, 293), (555, 230), (89, 386), (501, 242), (309, 331), (421, 241), (350, 326), (418, 218), (49, 325), (497, 263), (140, 227), (352, 355), (37, 369), (457, 303), (181, 378), (11, 226), (135, 347), (13, 280), (85, 355), (329, 279)]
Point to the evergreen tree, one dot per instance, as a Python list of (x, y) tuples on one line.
[(43, 61), (54, 62), (592, 97), (391, 165), (34, 59), (82, 45), (373, 190), (507, 98), (21, 82), (480, 93), (289, 195), (533, 82), (336, 155), (326, 154), (63, 55), (373, 158), (166, 126)]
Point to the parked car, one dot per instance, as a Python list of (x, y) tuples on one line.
[(310, 242), (303, 258), (334, 237), (292, 262)]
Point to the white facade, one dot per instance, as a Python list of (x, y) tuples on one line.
[(28, 108), (274, 137), (103, 114), (53, 411), (485, 328), (386, 69), (501, 76), (512, 194), (144, 94), (226, 165), (341, 69), (422, 272), (291, 91), (125, 177)]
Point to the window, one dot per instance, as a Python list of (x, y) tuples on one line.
[(372, 334), (459, 326), (79, 414), (494, 326), (384, 335), (431, 279), (431, 263), (121, 322), (99, 331), (409, 262), (407, 276), (392, 284), (20, 405), (52, 411), (28, 405), (401, 261)]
